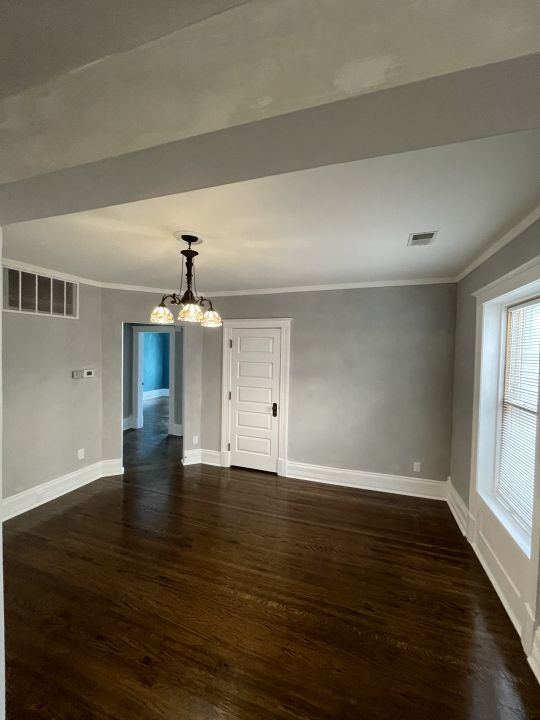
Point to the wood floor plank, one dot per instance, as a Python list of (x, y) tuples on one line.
[(207, 593)]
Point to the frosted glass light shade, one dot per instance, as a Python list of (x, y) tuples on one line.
[(161, 315), (212, 319), (191, 312)]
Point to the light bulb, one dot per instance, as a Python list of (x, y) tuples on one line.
[(161, 315), (190, 312), (212, 319)]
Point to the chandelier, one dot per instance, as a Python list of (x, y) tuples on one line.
[(192, 308)]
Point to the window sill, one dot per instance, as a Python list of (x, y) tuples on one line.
[(512, 527)]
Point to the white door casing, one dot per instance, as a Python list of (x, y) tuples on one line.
[(137, 389), (255, 394)]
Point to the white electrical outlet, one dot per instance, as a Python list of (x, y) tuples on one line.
[(195, 439), (80, 453), (416, 466)]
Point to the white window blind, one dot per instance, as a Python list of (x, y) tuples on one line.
[(516, 468)]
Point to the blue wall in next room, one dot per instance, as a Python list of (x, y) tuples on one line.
[(156, 361)]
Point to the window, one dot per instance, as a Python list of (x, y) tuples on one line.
[(514, 482), (504, 470), (27, 292)]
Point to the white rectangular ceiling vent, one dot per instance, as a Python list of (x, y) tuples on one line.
[(421, 239)]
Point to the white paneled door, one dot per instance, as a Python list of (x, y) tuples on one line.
[(254, 397)]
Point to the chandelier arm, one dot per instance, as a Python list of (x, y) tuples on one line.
[(203, 299), (173, 297)]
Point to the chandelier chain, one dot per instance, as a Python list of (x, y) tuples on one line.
[(195, 281)]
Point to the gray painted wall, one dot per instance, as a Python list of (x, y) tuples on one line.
[(42, 402), (519, 251), (39, 354), (371, 376), (378, 360)]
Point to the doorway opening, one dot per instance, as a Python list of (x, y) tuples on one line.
[(152, 392)]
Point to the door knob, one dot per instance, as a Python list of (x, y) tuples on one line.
[(274, 409)]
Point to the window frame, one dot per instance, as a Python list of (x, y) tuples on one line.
[(503, 509), (493, 304)]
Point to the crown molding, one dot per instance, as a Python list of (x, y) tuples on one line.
[(27, 267), (512, 234), (335, 286)]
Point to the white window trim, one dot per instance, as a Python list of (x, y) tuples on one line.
[(521, 284), (492, 306)]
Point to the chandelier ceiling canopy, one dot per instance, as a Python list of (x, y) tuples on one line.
[(191, 307)]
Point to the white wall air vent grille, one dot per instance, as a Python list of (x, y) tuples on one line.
[(28, 292), (421, 239)]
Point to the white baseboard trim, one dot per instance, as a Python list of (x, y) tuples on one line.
[(176, 429), (282, 467), (534, 657), (32, 498), (211, 457), (192, 457), (198, 456), (501, 582), (459, 509), (111, 467), (417, 487), (527, 634), (400, 484), (160, 392), (127, 423), (519, 612)]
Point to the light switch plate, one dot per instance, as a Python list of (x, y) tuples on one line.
[(80, 374)]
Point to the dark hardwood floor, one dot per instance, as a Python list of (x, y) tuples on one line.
[(212, 594)]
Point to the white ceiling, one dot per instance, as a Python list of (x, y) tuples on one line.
[(345, 223), (86, 81), (39, 40)]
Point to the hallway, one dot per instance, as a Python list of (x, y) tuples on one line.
[(152, 443)]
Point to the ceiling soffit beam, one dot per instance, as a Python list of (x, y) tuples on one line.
[(475, 103)]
